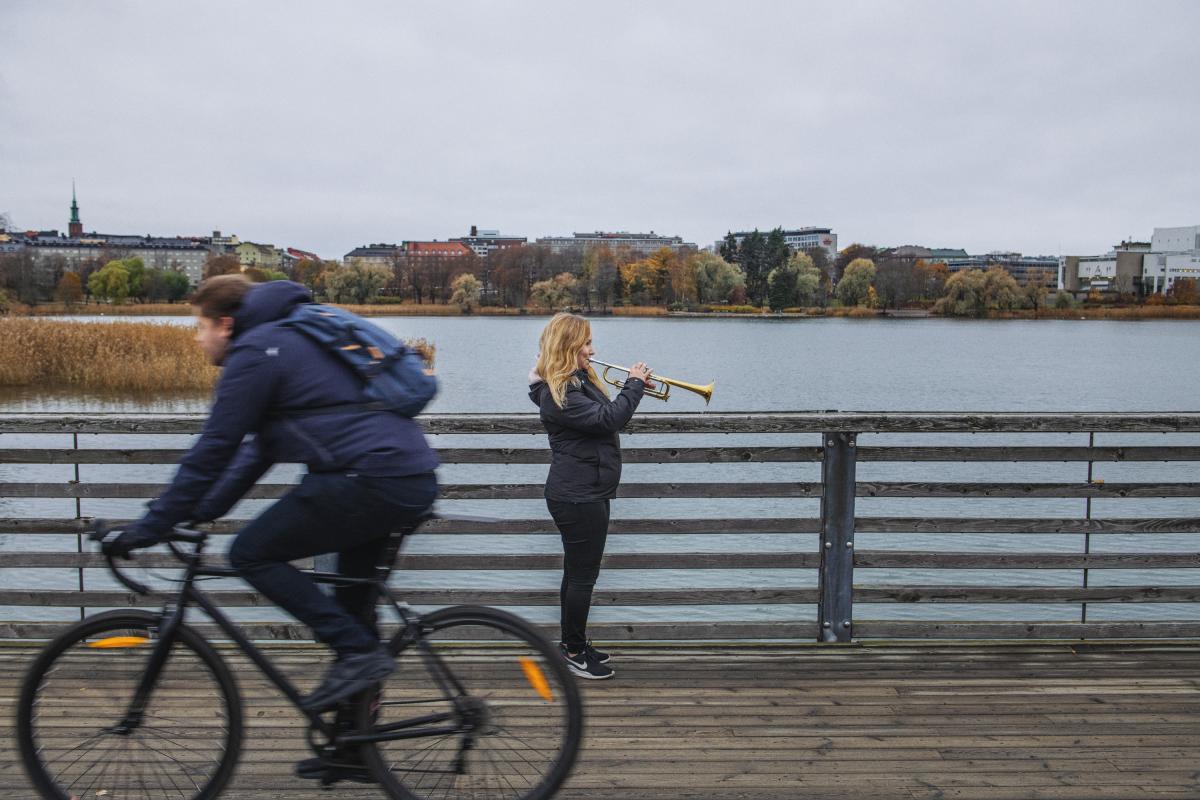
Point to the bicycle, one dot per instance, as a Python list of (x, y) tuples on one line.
[(133, 704)]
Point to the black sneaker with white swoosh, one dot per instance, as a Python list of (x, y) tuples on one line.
[(584, 666)]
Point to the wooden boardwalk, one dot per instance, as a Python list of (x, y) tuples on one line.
[(886, 720)]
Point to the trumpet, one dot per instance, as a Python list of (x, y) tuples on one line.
[(666, 383)]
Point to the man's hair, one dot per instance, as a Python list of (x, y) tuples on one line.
[(221, 295)]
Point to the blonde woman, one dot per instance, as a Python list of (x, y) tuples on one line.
[(585, 468)]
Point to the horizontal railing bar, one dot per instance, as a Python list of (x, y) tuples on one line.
[(600, 631), (728, 422), (660, 597), (733, 631), (456, 561), (430, 597), (667, 455), (1030, 453), (864, 559), (793, 489), (504, 526), (734, 525), (932, 629), (886, 559)]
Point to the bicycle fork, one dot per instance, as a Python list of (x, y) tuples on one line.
[(136, 711)]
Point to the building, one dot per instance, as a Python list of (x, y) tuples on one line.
[(178, 253), (1119, 270), (485, 242), (1136, 267), (797, 239), (452, 249), (641, 243), (1022, 268), (1174, 255), (382, 254), (293, 255), (262, 256), (930, 255)]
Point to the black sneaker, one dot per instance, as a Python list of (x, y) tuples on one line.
[(584, 665), (597, 655), (348, 676)]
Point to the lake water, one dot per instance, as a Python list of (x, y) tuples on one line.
[(761, 365)]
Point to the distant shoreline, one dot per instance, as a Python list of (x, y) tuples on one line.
[(429, 310)]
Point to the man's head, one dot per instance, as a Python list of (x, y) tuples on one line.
[(214, 303)]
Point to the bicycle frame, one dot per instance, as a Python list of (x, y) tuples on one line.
[(189, 595)]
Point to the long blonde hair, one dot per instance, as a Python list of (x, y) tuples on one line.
[(562, 339)]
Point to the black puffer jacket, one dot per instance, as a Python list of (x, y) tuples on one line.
[(585, 447)]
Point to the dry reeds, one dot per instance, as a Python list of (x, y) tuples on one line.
[(102, 356)]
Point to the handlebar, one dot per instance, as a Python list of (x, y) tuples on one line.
[(100, 530)]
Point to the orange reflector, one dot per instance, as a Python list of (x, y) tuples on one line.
[(119, 641), (533, 674)]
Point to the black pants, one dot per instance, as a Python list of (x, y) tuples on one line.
[(584, 529), (351, 515)]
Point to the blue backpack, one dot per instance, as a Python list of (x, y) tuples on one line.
[(393, 375)]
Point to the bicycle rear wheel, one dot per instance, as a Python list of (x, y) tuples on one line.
[(77, 740), (514, 732)]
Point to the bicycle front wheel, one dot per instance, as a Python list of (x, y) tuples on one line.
[(79, 739), (481, 707)]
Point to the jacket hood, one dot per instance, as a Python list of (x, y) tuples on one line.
[(268, 302)]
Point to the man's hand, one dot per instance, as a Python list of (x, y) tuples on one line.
[(119, 544)]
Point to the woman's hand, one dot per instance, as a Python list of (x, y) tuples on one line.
[(642, 373)]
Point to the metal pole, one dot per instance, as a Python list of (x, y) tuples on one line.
[(78, 515), (836, 578)]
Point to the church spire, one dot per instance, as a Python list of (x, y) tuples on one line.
[(75, 227)]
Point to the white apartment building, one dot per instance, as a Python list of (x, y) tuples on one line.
[(1174, 254)]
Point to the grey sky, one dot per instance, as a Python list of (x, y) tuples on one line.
[(1043, 127)]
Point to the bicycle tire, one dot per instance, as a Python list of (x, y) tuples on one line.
[(525, 702), (187, 744)]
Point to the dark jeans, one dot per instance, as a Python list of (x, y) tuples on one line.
[(584, 529), (349, 514)]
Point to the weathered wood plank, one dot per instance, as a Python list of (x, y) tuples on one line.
[(932, 629), (499, 526), (770, 422), (691, 489), (671, 455), (897, 559), (660, 597)]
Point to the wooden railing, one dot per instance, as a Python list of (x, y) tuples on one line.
[(833, 571)]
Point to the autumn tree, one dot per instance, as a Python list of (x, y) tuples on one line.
[(554, 293), (854, 287), (69, 290), (110, 282), (715, 278), (356, 283), (224, 264), (466, 292)]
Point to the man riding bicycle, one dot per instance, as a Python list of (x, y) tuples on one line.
[(282, 397)]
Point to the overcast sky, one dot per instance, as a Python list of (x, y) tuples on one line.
[(1042, 127)]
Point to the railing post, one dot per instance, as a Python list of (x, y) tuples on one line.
[(836, 578)]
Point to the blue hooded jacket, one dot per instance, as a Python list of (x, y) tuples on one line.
[(271, 371)]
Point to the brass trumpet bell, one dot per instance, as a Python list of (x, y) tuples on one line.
[(664, 383)]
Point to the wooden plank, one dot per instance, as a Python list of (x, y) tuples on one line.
[(455, 561), (881, 559), (692, 489), (626, 631), (447, 455), (928, 525), (671, 455), (927, 629), (428, 597), (499, 526), (1029, 453), (1026, 594), (778, 422)]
